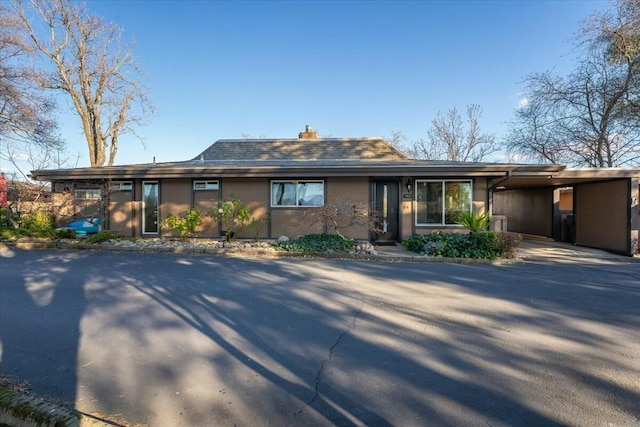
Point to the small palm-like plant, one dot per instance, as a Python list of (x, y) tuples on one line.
[(475, 221)]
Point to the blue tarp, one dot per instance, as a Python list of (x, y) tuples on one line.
[(85, 226)]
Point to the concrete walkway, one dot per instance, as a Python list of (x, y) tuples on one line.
[(530, 250), (395, 251), (567, 253)]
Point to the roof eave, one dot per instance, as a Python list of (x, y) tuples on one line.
[(302, 170)]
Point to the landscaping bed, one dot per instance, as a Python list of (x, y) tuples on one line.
[(20, 408)]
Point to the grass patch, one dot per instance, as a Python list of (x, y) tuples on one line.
[(23, 406)]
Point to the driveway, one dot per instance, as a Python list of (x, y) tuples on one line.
[(174, 340), (566, 253)]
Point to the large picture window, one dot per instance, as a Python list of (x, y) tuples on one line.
[(442, 202), (297, 193)]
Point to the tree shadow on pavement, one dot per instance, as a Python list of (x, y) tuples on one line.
[(554, 336), (309, 342), (199, 340), (41, 307)]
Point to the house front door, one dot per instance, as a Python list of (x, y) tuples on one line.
[(387, 203)]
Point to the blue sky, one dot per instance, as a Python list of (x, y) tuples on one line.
[(357, 68)]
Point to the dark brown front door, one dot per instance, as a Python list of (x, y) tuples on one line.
[(387, 203)]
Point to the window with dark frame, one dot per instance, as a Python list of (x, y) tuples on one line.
[(88, 194), (205, 185), (121, 186), (440, 202), (297, 193)]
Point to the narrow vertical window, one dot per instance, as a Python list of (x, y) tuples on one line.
[(150, 207)]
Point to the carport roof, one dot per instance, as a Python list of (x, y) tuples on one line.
[(522, 179)]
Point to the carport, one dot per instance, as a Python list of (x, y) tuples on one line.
[(595, 208)]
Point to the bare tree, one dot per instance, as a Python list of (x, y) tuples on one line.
[(590, 117), (91, 64), (27, 125), (453, 138), (340, 214), (397, 140), (249, 136)]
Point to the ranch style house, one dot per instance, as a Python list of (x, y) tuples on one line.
[(279, 178)]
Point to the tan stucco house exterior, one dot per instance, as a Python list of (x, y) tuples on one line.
[(280, 178)]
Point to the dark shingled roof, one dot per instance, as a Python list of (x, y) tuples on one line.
[(300, 157), (361, 149)]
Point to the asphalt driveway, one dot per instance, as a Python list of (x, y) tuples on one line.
[(175, 340)]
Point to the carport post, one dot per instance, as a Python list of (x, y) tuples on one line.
[(556, 217), (633, 216)]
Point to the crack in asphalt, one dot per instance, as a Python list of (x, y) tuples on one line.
[(354, 318), (327, 360)]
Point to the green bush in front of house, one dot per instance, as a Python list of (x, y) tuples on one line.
[(8, 225), (38, 223), (11, 233), (316, 243), (7, 219), (233, 215), (102, 236), (478, 245), (185, 226)]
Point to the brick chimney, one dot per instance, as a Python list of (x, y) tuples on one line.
[(308, 133)]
